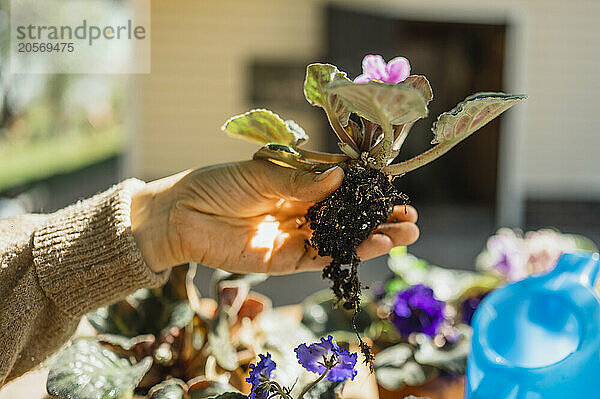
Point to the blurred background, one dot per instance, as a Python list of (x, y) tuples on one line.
[(66, 137)]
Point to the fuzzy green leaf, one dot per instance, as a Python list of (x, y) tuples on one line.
[(219, 342), (326, 390), (471, 114), (420, 83), (263, 127), (170, 389), (456, 125), (453, 360), (213, 390), (322, 316), (381, 103), (88, 370), (145, 312), (318, 76), (395, 367)]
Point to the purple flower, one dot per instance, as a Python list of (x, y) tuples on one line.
[(469, 306), (375, 68), (327, 354), (259, 374), (515, 256), (417, 311)]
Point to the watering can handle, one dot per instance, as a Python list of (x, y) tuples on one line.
[(583, 265)]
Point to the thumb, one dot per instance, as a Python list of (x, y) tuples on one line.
[(300, 185)]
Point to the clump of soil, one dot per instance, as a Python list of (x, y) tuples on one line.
[(342, 221)]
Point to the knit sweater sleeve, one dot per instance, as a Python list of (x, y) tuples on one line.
[(55, 268)]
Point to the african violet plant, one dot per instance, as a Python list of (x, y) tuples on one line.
[(326, 358), (371, 117)]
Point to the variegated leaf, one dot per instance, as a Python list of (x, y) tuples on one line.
[(296, 129), (172, 388), (318, 76), (471, 114), (88, 370), (263, 127), (420, 83), (456, 125), (381, 103)]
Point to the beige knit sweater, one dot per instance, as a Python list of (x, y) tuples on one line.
[(55, 268)]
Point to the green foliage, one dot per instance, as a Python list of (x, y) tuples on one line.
[(146, 311), (387, 112), (87, 370), (173, 388), (326, 390), (197, 389), (265, 127), (318, 77), (382, 103), (214, 390), (396, 367), (221, 347), (452, 359), (322, 316)]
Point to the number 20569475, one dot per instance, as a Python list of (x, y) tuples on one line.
[(45, 47)]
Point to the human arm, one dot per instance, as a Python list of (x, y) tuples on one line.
[(55, 268)]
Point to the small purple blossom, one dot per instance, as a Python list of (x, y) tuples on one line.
[(260, 373), (469, 306), (318, 357), (416, 310), (375, 68), (516, 256)]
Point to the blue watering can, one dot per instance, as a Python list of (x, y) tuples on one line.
[(539, 338)]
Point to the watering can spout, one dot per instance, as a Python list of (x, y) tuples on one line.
[(582, 264)]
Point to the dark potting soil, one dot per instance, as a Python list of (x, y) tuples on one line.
[(342, 221)]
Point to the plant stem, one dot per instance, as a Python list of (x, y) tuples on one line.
[(321, 156), (315, 382), (279, 390), (381, 151), (339, 130), (420, 160), (398, 141)]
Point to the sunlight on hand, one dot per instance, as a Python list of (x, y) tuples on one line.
[(267, 232)]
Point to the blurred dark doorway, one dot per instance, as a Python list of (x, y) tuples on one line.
[(455, 195)]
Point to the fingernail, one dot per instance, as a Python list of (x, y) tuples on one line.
[(322, 176)]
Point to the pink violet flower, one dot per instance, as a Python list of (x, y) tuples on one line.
[(375, 68)]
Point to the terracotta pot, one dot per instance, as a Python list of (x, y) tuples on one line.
[(439, 388)]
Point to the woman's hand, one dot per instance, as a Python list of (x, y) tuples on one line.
[(246, 217)]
